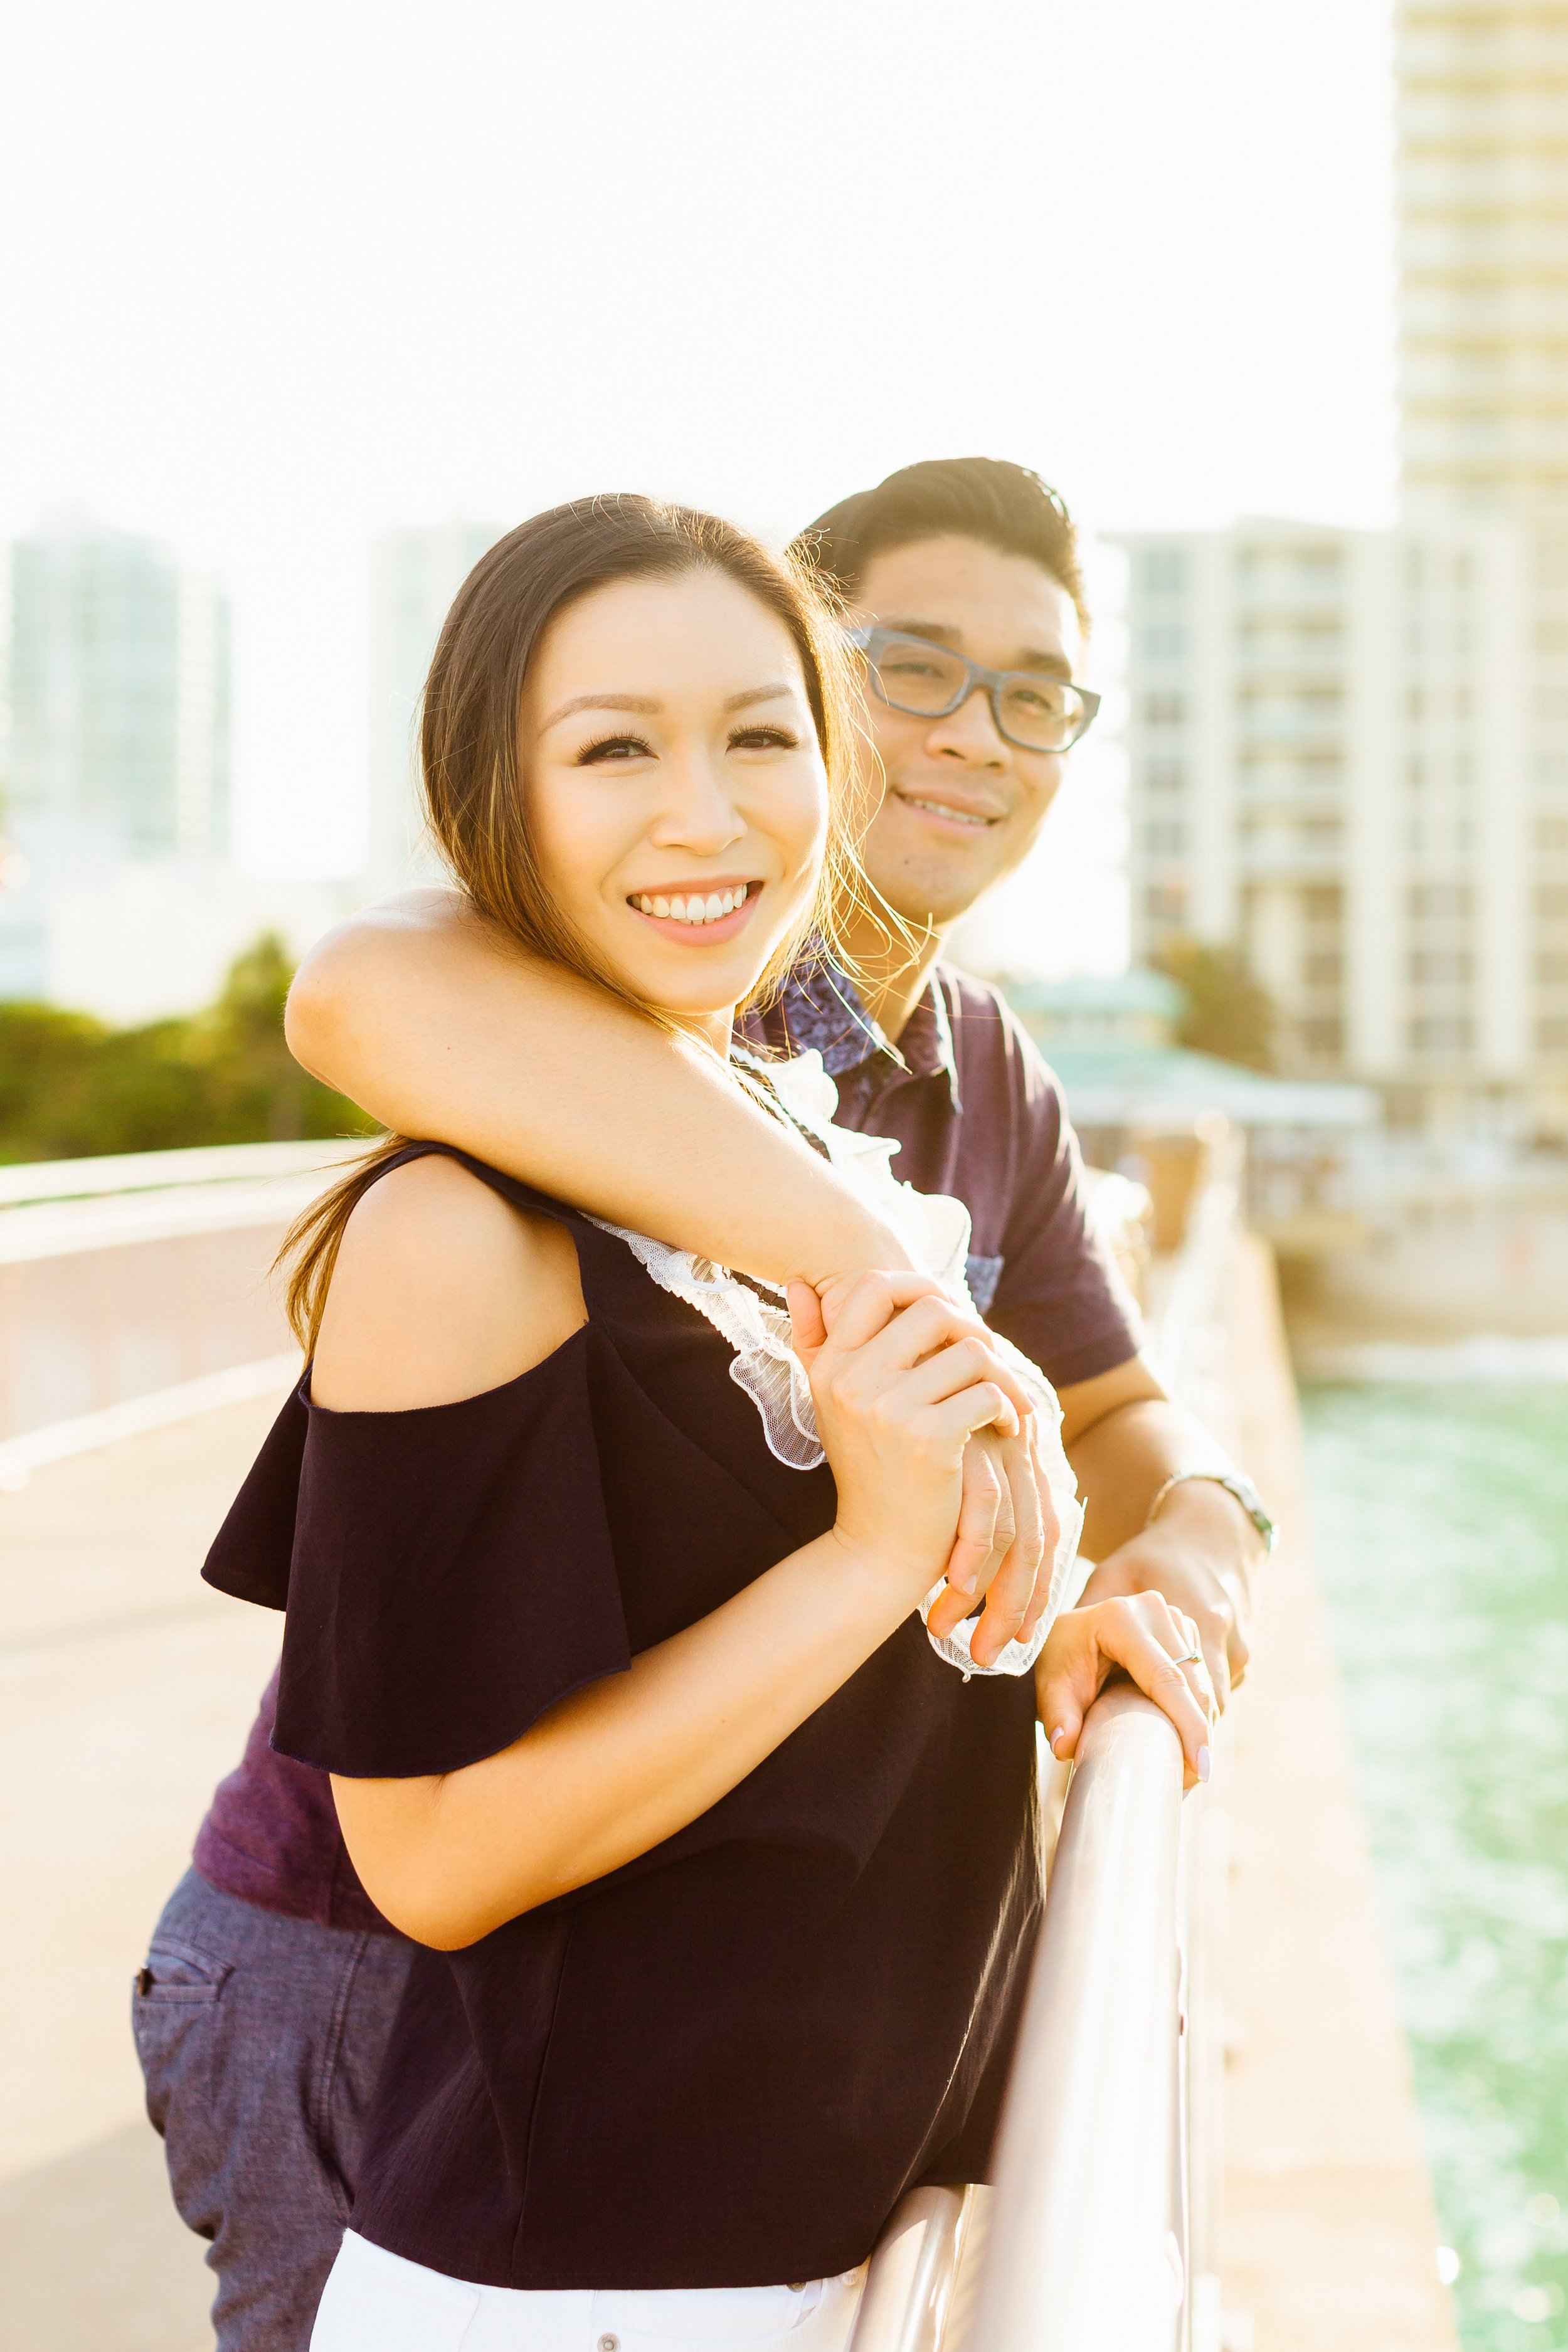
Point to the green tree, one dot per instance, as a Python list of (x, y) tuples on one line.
[(48, 1061), (71, 1087), (256, 1085), (1226, 1010)]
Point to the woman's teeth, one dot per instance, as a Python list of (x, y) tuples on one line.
[(693, 909)]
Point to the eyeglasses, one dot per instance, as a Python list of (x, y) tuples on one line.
[(1037, 712)]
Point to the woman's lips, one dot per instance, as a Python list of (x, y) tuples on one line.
[(711, 932)]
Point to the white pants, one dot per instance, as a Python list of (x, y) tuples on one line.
[(376, 2301)]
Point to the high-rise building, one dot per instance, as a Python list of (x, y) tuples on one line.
[(117, 688), (415, 574), (1329, 768), (1483, 255), (1350, 750), (1483, 319)]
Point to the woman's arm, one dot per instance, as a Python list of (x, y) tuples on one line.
[(420, 1010), (442, 1291), (617, 1767)]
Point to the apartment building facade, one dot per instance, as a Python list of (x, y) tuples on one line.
[(115, 683), (1482, 122), (1332, 763), (1483, 350), (1349, 750), (415, 572)]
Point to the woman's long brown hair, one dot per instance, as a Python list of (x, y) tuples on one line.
[(473, 789)]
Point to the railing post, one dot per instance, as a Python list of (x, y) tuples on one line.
[(1205, 1868)]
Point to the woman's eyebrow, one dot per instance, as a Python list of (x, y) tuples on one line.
[(650, 708), (639, 702)]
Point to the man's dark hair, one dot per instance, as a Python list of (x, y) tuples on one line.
[(1003, 506)]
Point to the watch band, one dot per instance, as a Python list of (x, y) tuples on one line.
[(1246, 1494)]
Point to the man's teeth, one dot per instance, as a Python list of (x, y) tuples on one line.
[(693, 909), (940, 808)]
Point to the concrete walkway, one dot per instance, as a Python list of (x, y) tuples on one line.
[(1328, 2235), (126, 1688)]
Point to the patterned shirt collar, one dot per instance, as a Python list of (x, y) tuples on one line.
[(822, 1013)]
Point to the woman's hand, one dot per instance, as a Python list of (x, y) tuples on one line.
[(900, 1384), (1006, 1540), (1155, 1643)]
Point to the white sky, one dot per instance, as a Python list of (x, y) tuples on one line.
[(271, 278)]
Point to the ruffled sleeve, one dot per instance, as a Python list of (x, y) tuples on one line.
[(451, 1574)]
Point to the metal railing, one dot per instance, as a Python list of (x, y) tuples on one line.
[(1086, 2244), (1101, 2232), (32, 1182), (912, 2298), (141, 1278)]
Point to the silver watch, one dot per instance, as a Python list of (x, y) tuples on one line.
[(1246, 1494)]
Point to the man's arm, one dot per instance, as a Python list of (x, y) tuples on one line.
[(420, 1010), (1124, 1439), (1060, 1300)]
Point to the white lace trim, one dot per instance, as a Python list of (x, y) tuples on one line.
[(765, 1364), (936, 1231)]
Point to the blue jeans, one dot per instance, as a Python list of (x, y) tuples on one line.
[(260, 2039)]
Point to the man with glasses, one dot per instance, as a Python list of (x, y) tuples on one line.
[(965, 595), (963, 591)]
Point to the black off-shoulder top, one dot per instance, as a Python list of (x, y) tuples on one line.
[(722, 2065)]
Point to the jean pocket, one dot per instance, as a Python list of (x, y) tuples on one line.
[(176, 1974), (174, 2025)]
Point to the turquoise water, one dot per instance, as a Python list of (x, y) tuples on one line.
[(1441, 1524)]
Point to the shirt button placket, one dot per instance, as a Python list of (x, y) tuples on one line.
[(609, 2344)]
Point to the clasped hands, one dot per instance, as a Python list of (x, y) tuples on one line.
[(1006, 1534), (999, 1528)]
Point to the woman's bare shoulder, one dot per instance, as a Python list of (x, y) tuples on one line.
[(441, 1289)]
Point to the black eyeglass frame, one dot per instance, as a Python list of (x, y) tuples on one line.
[(870, 641)]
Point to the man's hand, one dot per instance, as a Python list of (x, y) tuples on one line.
[(1199, 1553), (1126, 1439), (1148, 1640), (1007, 1541)]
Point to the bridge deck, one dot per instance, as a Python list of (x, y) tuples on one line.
[(125, 1690)]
